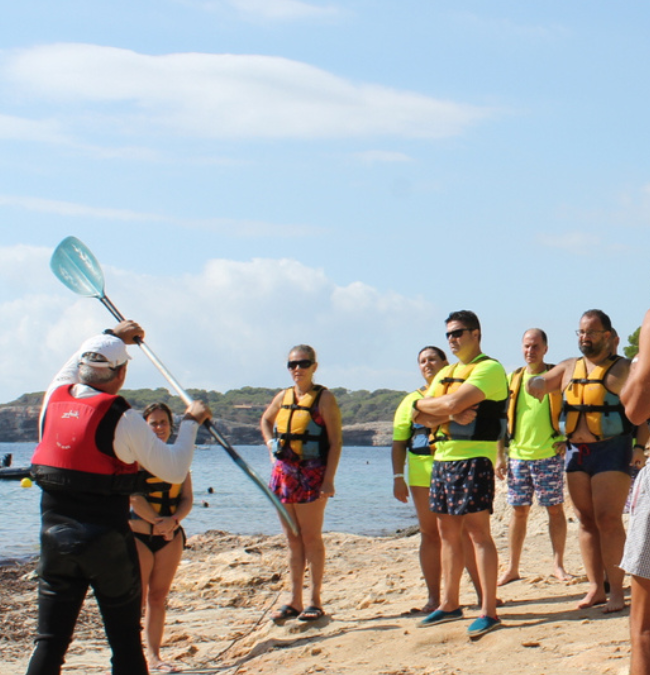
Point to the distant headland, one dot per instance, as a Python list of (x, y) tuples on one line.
[(367, 416)]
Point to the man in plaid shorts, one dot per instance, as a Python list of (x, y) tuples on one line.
[(535, 458)]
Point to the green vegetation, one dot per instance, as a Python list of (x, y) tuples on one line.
[(632, 349), (246, 405)]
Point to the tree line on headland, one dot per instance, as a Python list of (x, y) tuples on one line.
[(366, 415)]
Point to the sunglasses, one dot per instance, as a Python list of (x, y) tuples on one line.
[(456, 333), (303, 363)]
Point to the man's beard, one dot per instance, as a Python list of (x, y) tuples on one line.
[(588, 349)]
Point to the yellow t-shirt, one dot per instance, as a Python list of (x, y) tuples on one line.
[(534, 433), (490, 377), (418, 466)]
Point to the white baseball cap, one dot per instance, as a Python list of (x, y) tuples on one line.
[(110, 347)]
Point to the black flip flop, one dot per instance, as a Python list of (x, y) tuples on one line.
[(285, 612), (311, 613)]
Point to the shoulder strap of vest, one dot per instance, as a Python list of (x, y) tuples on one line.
[(106, 429), (449, 376), (514, 387), (605, 367), (518, 377), (515, 381), (289, 402), (579, 375)]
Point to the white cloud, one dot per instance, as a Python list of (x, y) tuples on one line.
[(252, 228), (581, 243), (229, 325), (226, 96), (20, 129), (501, 27), (576, 243), (227, 226), (71, 209), (275, 10), (283, 9), (628, 208), (23, 269), (381, 156)]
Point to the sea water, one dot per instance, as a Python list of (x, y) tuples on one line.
[(225, 499)]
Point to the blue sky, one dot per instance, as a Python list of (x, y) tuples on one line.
[(254, 174)]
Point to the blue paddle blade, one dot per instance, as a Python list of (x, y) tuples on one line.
[(77, 268)]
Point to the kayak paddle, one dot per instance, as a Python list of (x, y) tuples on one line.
[(77, 268)]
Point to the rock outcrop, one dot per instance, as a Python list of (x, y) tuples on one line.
[(19, 424)]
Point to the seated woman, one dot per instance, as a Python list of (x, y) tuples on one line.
[(160, 540)]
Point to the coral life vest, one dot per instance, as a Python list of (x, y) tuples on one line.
[(554, 400), (299, 428), (588, 395), (76, 450), (418, 443), (165, 497), (490, 421)]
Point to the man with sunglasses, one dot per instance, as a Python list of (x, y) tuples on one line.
[(466, 409), (600, 451)]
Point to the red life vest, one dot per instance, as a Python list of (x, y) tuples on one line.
[(76, 450)]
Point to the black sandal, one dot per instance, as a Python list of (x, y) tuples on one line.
[(285, 612), (311, 613)]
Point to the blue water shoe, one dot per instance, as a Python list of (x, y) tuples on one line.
[(482, 625), (440, 616)]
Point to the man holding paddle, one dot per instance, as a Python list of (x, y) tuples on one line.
[(92, 446)]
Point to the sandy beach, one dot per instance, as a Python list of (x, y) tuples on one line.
[(218, 618)]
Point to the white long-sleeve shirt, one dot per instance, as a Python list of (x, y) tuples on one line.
[(134, 440)]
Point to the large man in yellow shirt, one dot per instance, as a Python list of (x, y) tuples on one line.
[(466, 409)]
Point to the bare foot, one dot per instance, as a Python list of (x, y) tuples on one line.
[(163, 667), (616, 603), (594, 597), (562, 575), (431, 606), (507, 577)]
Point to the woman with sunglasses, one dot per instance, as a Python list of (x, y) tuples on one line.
[(160, 540), (302, 429)]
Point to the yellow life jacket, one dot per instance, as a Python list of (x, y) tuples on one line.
[(299, 429), (554, 399), (587, 395), (166, 496), (490, 421)]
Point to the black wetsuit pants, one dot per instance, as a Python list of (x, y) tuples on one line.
[(74, 557)]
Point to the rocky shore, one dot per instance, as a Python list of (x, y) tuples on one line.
[(227, 585)]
